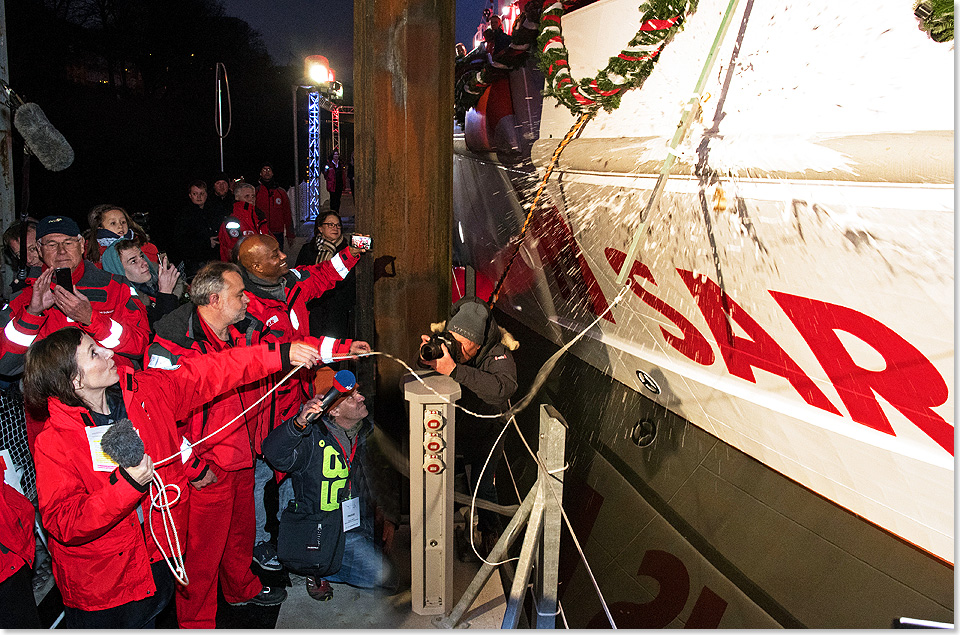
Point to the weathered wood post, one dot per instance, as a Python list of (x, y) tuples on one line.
[(403, 78)]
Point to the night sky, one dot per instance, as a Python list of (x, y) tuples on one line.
[(293, 29)]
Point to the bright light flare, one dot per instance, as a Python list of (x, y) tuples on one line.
[(317, 68)]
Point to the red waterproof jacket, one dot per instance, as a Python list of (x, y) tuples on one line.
[(101, 553), (17, 545), (287, 320), (275, 205), (184, 334), (250, 221), (119, 319)]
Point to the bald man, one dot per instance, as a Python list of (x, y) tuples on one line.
[(278, 297)]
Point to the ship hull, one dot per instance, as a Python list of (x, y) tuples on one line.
[(786, 327)]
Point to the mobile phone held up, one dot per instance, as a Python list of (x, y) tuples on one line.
[(64, 278), (361, 242)]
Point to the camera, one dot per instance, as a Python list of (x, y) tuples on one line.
[(431, 349), (361, 242)]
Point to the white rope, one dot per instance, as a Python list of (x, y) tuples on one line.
[(161, 500)]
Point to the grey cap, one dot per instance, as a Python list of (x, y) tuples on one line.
[(470, 321)]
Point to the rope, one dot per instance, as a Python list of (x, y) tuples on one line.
[(690, 111), (572, 134)]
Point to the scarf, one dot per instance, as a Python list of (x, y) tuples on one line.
[(105, 237), (263, 289), (326, 250)]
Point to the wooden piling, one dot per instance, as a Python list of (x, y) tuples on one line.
[(403, 93)]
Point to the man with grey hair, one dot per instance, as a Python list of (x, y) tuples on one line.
[(245, 220), (221, 526)]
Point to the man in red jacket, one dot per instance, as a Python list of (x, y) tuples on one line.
[(278, 298), (273, 201), (245, 220), (221, 513), (100, 304)]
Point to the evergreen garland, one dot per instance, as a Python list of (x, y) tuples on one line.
[(936, 18), (660, 22)]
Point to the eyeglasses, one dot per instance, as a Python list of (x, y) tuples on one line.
[(331, 224), (53, 245)]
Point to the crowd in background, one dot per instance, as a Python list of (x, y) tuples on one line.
[(180, 335)]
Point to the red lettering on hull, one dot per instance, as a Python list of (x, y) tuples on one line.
[(910, 382), (742, 355), (691, 342), (556, 245)]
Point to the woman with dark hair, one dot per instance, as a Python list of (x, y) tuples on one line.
[(105, 561), (332, 313), (110, 223)]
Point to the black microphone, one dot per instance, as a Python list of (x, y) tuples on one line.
[(42, 140), (122, 444), (343, 382)]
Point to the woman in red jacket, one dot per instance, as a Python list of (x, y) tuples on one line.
[(106, 564)]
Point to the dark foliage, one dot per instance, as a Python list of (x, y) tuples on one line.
[(131, 85)]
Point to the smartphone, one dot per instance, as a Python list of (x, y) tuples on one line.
[(361, 242), (64, 278)]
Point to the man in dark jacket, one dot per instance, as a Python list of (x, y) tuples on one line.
[(195, 231), (221, 522), (485, 369), (336, 476), (277, 297)]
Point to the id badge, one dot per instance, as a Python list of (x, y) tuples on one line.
[(351, 513), (101, 462)]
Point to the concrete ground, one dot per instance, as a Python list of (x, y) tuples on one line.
[(373, 608)]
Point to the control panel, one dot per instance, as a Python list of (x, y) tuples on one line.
[(431, 446)]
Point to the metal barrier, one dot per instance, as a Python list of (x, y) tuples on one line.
[(540, 511)]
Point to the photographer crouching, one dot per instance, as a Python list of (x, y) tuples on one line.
[(475, 352)]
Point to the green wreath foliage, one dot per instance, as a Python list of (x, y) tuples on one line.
[(661, 20)]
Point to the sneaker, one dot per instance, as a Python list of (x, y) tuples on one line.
[(269, 596), (265, 555), (319, 590)]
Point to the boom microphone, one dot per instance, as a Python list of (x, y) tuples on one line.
[(343, 382), (42, 140)]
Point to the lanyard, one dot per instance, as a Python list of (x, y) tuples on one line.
[(353, 452)]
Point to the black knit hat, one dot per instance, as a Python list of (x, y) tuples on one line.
[(470, 321), (57, 225)]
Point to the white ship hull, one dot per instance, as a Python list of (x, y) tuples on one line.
[(803, 315)]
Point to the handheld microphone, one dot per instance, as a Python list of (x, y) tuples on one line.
[(43, 140), (122, 444), (343, 382)]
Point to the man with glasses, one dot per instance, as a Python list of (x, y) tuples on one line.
[(100, 304), (340, 477)]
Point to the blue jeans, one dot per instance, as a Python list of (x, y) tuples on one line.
[(362, 562), (261, 475)]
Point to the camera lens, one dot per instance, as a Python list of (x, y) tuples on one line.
[(431, 351)]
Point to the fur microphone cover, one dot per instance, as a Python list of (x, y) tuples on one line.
[(122, 444)]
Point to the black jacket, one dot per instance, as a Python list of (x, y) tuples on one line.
[(320, 482)]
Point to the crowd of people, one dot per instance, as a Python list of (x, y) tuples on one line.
[(105, 329), (213, 362)]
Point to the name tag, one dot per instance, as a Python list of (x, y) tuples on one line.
[(351, 513), (101, 462)]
